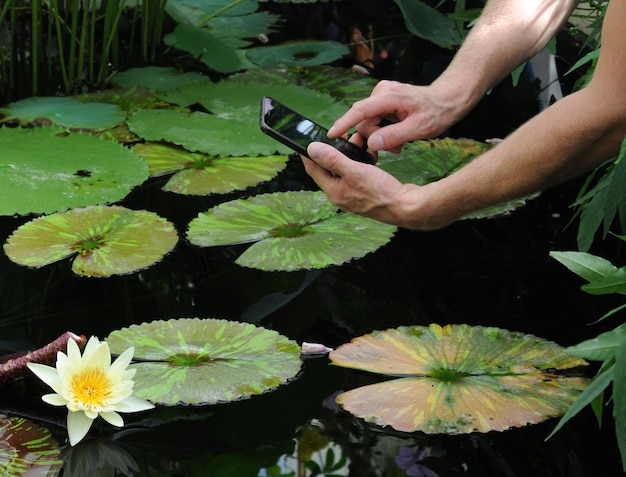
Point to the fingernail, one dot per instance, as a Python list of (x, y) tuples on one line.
[(375, 142), (332, 130), (314, 149)]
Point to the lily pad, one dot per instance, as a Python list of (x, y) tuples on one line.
[(27, 449), (206, 361), (200, 174), (66, 112), (156, 77), (104, 240), (306, 53), (458, 379), (43, 170), (203, 132), (240, 100), (293, 231), (421, 162)]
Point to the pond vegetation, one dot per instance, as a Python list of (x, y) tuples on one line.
[(218, 260)]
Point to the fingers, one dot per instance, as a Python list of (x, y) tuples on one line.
[(371, 110)]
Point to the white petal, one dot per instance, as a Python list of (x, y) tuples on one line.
[(77, 426), (100, 357), (48, 375), (54, 399), (73, 352), (121, 363), (134, 404), (112, 418)]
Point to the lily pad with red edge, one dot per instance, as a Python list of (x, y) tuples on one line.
[(201, 174), (27, 449), (459, 379), (206, 361), (104, 240), (292, 230)]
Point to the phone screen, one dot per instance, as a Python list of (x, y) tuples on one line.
[(298, 131)]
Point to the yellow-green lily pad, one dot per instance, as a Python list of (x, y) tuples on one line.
[(206, 361), (201, 174), (104, 240), (292, 230)]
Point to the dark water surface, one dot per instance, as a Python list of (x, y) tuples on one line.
[(490, 272)]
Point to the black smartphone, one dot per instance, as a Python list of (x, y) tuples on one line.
[(297, 131)]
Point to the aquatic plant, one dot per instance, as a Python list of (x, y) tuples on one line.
[(90, 386), (458, 379)]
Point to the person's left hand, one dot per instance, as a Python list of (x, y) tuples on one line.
[(356, 187)]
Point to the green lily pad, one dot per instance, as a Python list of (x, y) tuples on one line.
[(306, 53), (293, 231), (241, 100), (156, 78), (203, 132), (458, 379), (66, 112), (421, 162), (104, 240), (200, 174), (206, 361), (27, 449), (43, 170)]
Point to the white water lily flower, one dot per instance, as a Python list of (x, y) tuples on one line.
[(89, 385)]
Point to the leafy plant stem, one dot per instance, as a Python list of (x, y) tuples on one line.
[(35, 18), (54, 6)]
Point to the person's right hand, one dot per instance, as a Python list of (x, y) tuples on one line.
[(415, 112)]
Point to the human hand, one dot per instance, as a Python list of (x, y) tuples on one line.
[(357, 187), (416, 112)]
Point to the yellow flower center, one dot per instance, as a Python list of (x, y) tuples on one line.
[(91, 388)]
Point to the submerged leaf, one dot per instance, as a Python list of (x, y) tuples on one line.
[(27, 449), (458, 378), (200, 174), (206, 361), (105, 240), (44, 170), (293, 231)]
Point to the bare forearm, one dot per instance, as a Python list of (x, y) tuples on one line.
[(508, 33), (565, 141)]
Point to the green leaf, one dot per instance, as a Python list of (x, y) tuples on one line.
[(66, 112), (157, 77), (206, 361), (613, 283), (240, 100), (458, 378), (27, 449), (422, 162), (428, 23), (44, 170), (105, 240), (602, 347), (305, 53), (588, 266), (594, 389), (204, 133), (202, 44), (619, 398), (603, 203), (293, 231), (200, 174)]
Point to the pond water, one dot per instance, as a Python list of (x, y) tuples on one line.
[(494, 272), (489, 272)]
